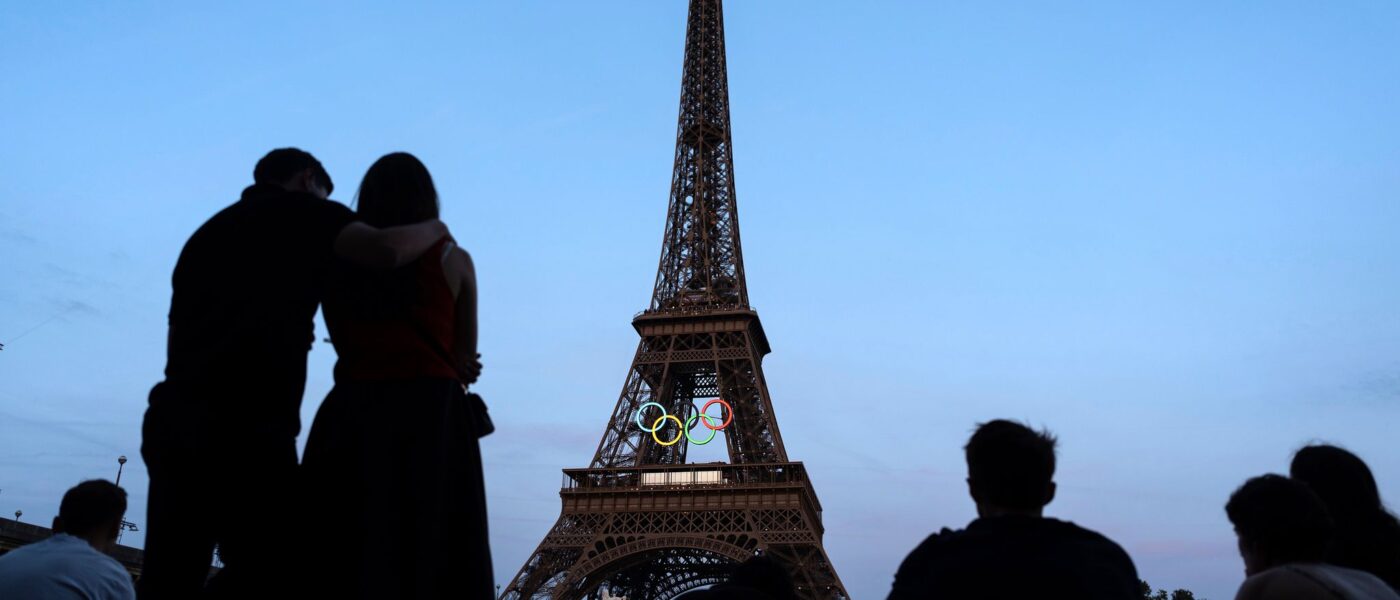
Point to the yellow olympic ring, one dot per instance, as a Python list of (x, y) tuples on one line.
[(657, 427)]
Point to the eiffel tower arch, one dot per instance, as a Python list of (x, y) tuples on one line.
[(640, 521)]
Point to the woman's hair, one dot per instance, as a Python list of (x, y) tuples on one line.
[(397, 190), (1367, 536)]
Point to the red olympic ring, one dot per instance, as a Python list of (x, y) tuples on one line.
[(727, 407)]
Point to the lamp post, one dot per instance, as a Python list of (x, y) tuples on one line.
[(121, 462), (18, 514), (125, 525)]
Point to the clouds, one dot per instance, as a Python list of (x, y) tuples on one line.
[(63, 307), (16, 236)]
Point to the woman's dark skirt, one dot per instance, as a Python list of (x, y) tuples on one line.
[(397, 501)]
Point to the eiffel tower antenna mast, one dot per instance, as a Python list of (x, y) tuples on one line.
[(640, 522)]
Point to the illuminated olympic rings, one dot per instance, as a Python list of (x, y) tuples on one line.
[(689, 424)]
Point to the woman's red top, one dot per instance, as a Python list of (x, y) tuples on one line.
[(393, 325)]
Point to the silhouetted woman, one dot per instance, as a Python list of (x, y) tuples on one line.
[(392, 461), (1367, 536)]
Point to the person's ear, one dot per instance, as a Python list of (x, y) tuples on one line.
[(115, 531), (57, 525), (308, 180), (313, 184), (1050, 493), (972, 490)]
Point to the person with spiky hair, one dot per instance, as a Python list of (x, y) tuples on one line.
[(1012, 550)]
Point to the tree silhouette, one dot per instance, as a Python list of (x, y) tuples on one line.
[(1179, 594)]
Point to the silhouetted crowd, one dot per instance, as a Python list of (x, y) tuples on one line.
[(1321, 534), (388, 500)]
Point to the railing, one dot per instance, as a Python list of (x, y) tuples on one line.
[(690, 475), (691, 478), (14, 534), (696, 309)]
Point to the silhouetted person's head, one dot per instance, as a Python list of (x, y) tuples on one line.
[(1367, 536), (1278, 521), (1010, 469), (1341, 479), (766, 575), (92, 510), (294, 170), (397, 190)]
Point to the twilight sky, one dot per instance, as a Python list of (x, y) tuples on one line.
[(1166, 231)]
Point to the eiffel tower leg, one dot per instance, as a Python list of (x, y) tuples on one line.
[(543, 575)]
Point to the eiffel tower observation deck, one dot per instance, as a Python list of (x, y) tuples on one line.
[(640, 522)]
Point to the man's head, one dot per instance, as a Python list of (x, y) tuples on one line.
[(1010, 468), (1278, 521), (294, 170), (764, 574), (92, 510)]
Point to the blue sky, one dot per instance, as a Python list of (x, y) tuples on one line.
[(1166, 231)]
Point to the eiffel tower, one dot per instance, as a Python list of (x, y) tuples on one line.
[(640, 522)]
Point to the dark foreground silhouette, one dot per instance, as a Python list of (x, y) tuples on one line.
[(392, 461), (1011, 550), (1365, 535), (219, 438), (1283, 530), (759, 578), (73, 563)]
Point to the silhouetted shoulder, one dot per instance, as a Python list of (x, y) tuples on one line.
[(1097, 544), (921, 568), (1017, 556), (1314, 581), (1069, 530), (1279, 584)]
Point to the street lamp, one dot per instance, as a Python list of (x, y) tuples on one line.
[(18, 514), (121, 462), (126, 525)]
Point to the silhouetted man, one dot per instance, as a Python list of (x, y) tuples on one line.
[(219, 438), (73, 564), (1283, 528), (1011, 551)]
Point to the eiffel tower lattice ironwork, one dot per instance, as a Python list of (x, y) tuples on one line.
[(640, 522)]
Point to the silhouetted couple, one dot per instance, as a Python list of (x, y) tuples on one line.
[(390, 500), (1322, 534)]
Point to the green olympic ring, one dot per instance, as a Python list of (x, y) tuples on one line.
[(689, 423)]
